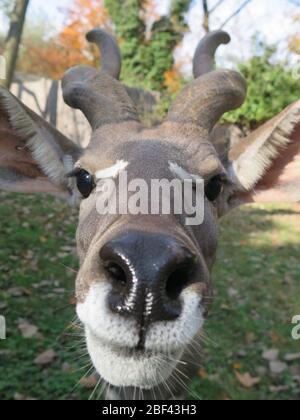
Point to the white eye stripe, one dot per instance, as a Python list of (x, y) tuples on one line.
[(182, 173), (113, 171)]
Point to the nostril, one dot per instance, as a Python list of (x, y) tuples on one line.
[(179, 280), (116, 273)]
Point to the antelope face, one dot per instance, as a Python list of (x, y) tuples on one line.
[(144, 279)]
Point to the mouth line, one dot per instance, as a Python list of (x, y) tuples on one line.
[(138, 352)]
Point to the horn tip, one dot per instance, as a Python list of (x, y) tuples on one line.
[(93, 34), (224, 37)]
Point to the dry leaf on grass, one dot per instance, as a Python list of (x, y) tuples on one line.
[(203, 374), (292, 357), (271, 355), (59, 291), (89, 382), (237, 366), (277, 389), (246, 380), (18, 292), (45, 358), (27, 330), (277, 367), (20, 397)]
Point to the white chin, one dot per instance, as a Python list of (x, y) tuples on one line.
[(119, 369)]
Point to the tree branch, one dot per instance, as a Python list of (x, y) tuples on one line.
[(216, 6), (206, 16), (236, 13)]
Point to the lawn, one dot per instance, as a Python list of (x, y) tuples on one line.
[(248, 351)]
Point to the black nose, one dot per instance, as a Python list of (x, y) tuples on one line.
[(148, 273)]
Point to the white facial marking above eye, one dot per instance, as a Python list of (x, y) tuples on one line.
[(181, 172), (113, 171)]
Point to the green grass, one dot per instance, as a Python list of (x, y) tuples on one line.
[(256, 279)]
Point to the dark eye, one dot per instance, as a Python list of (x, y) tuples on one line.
[(213, 188), (85, 183)]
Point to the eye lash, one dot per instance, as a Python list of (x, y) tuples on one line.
[(74, 173), (222, 177)]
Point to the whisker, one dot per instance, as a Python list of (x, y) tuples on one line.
[(95, 389), (165, 384), (78, 383), (102, 390), (69, 268)]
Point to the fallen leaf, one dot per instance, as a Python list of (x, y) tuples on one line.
[(246, 380), (237, 366), (226, 307), (277, 367), (275, 338), (271, 355), (16, 292), (45, 358), (20, 397), (277, 389), (202, 374), (89, 382), (292, 357), (68, 248), (61, 255), (232, 292), (59, 291), (27, 330)]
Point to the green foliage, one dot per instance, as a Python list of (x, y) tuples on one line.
[(160, 52), (145, 62), (130, 29), (271, 87)]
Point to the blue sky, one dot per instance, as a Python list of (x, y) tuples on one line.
[(272, 19)]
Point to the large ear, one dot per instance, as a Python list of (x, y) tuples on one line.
[(265, 167), (34, 157)]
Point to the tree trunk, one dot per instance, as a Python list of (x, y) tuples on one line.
[(13, 39), (206, 16)]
